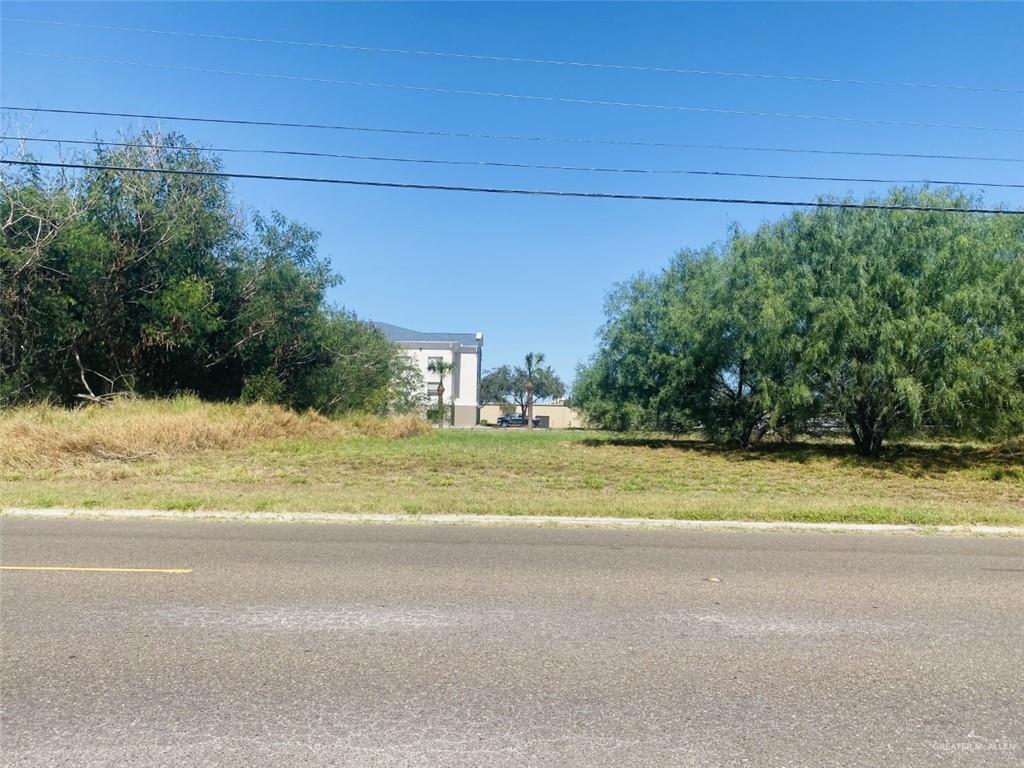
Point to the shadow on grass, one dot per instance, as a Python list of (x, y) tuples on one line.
[(915, 459)]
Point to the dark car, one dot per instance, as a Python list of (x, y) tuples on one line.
[(515, 420)]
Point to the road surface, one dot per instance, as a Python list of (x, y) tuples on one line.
[(343, 645)]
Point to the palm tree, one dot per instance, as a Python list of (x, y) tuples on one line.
[(533, 362), (442, 368)]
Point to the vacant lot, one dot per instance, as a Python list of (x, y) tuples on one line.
[(185, 455)]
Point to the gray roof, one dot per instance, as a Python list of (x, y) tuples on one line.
[(398, 334)]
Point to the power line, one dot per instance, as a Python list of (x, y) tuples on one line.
[(508, 191), (521, 60), (508, 137), (501, 164), (517, 96)]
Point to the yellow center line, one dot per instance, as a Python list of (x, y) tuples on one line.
[(91, 570)]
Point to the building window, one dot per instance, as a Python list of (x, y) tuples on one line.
[(432, 389), (433, 361)]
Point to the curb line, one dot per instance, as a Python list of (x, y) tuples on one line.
[(506, 520)]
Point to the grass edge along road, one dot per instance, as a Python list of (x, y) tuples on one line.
[(501, 521), (186, 455)]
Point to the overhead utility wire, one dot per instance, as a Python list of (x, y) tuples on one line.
[(505, 137), (505, 190), (517, 96), (501, 164), (517, 59)]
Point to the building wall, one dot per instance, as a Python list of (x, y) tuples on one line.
[(465, 416), (421, 358), (461, 350), (560, 416), (461, 387), (469, 379)]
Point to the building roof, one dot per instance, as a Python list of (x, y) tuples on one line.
[(398, 334)]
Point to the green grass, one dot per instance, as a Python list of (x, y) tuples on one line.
[(519, 473)]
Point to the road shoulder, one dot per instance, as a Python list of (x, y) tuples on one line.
[(508, 520)]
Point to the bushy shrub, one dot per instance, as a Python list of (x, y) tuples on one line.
[(154, 284)]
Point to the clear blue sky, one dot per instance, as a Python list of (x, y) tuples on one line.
[(455, 262)]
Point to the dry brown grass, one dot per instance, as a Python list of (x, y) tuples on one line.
[(392, 427), (186, 455), (131, 430)]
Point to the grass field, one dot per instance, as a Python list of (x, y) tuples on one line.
[(186, 455)]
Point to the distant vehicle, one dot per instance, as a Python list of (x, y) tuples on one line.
[(515, 420)]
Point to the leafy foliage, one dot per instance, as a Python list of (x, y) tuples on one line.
[(885, 323), (155, 284), (509, 384)]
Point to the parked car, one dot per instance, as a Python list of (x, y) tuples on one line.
[(515, 420)]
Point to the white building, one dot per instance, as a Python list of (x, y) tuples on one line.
[(463, 350)]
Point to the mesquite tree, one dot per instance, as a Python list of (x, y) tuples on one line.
[(889, 323)]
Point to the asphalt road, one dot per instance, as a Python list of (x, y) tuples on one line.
[(339, 645)]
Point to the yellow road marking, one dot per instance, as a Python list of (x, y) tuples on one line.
[(91, 570)]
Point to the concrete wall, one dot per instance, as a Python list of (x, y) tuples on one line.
[(465, 416), (560, 416)]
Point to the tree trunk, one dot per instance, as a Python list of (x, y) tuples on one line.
[(865, 431), (752, 432), (529, 406), (745, 436)]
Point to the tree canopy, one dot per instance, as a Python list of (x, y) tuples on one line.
[(509, 384), (157, 284), (881, 323)]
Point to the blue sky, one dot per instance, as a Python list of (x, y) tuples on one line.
[(532, 273)]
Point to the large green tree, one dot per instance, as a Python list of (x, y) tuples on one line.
[(121, 295), (512, 384), (916, 319), (154, 283), (707, 344), (887, 323), (34, 213)]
